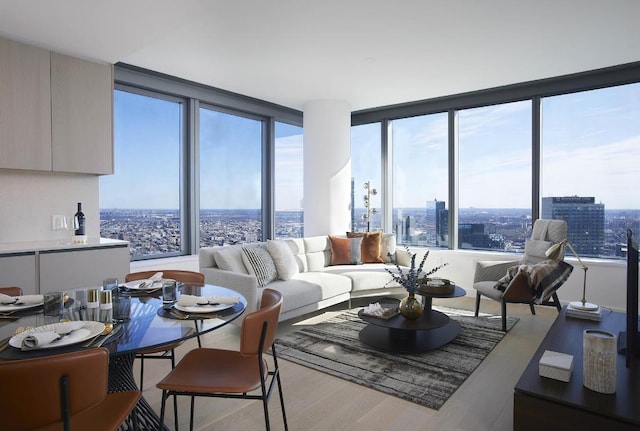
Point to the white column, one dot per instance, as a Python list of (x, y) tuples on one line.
[(327, 167)]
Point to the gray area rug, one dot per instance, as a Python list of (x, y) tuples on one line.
[(428, 379)]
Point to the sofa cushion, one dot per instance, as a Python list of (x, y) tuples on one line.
[(260, 263), (345, 251), (318, 252), (365, 277), (283, 258), (229, 258), (370, 249), (308, 288)]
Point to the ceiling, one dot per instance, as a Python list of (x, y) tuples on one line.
[(369, 53)]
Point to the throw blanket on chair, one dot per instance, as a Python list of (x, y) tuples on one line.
[(544, 278)]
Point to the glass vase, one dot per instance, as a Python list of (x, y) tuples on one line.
[(410, 307)]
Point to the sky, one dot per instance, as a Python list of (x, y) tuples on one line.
[(590, 147)]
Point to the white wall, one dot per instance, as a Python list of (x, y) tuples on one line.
[(28, 199)]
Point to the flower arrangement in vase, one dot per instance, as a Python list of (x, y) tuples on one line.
[(411, 280)]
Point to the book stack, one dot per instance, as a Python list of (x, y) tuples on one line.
[(579, 313)]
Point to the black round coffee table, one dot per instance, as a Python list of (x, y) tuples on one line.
[(398, 334)]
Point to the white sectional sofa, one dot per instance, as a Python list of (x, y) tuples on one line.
[(306, 277)]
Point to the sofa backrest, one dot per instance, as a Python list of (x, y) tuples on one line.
[(312, 253)]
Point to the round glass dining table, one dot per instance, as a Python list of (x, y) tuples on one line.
[(150, 324)]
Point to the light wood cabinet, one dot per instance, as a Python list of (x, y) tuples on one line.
[(82, 115), (19, 269), (25, 108), (72, 269)]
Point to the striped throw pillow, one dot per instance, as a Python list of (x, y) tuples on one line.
[(259, 263)]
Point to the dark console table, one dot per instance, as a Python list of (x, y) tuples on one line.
[(541, 403)]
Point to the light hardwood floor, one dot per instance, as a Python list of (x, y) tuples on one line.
[(316, 401)]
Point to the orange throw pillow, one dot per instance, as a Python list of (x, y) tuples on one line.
[(345, 251), (370, 250)]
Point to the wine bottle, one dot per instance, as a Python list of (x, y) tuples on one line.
[(79, 220)]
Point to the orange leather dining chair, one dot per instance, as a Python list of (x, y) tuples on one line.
[(11, 290), (65, 391), (221, 373), (166, 351)]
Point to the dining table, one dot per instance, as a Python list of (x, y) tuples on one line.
[(149, 323)]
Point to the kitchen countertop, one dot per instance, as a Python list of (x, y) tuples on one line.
[(58, 244)]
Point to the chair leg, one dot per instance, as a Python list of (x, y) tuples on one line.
[(195, 322), (162, 410), (504, 316), (532, 308), (284, 414), (191, 415), (141, 357), (477, 303), (556, 301)]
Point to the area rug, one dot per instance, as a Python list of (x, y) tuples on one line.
[(428, 379)]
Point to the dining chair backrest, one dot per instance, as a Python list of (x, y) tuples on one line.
[(253, 324), (178, 275), (11, 290), (30, 392)]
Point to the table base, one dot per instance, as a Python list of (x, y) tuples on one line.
[(409, 340), (121, 379)]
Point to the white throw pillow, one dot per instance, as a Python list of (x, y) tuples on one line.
[(388, 245), (229, 258), (283, 258), (260, 263)]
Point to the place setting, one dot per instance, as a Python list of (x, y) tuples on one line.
[(193, 307), (12, 307), (144, 286)]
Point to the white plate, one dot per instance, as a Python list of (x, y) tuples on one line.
[(16, 307), (203, 308), (94, 329), (149, 285)]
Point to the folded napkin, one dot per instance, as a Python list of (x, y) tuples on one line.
[(6, 299), (30, 299), (70, 330), (22, 299), (193, 300), (149, 282)]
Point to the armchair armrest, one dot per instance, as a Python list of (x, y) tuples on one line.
[(492, 270)]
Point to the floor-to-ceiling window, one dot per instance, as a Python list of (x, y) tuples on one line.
[(590, 166), (195, 170), (230, 178), (288, 179), (420, 180), (366, 178), (494, 176), (141, 202)]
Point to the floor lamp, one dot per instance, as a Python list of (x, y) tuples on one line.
[(557, 250)]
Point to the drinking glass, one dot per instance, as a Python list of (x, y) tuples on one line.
[(121, 308), (169, 292)]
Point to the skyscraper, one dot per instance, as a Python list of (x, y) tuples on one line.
[(585, 221), (438, 220)]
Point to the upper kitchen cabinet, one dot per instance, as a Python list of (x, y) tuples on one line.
[(25, 108), (81, 115)]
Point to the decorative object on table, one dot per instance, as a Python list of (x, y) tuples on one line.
[(600, 357), (106, 306), (411, 280), (557, 250), (377, 310), (427, 379), (556, 365), (437, 285), (367, 203)]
